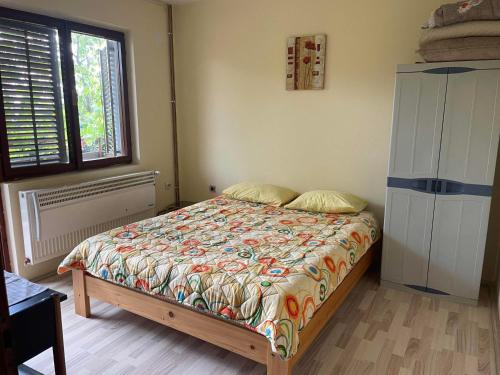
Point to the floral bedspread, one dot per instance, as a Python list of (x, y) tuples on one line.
[(266, 268)]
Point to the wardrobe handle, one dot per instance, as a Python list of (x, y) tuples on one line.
[(449, 70), (454, 188), (433, 186), (429, 186), (444, 187), (422, 184), (439, 186), (442, 70), (459, 69)]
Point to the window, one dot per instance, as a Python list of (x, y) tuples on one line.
[(97, 78), (63, 97)]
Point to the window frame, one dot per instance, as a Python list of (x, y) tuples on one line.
[(75, 156)]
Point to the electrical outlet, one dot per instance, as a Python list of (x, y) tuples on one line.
[(212, 188), (167, 186)]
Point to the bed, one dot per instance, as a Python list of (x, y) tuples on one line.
[(258, 280)]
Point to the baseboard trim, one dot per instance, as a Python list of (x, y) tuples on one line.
[(44, 276)]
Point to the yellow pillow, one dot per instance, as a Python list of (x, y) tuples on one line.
[(328, 202), (260, 193)]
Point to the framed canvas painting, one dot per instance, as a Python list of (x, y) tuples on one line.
[(306, 62)]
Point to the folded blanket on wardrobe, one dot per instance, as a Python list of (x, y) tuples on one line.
[(464, 11), (461, 30), (456, 49)]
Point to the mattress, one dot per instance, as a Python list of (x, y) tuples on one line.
[(266, 268)]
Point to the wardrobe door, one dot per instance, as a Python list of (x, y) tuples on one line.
[(407, 236), (467, 163), (458, 241), (417, 124), (471, 127), (415, 142)]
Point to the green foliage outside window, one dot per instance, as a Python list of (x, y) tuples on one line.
[(87, 64)]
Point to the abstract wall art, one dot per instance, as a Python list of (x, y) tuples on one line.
[(306, 62)]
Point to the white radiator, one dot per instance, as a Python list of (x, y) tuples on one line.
[(56, 220)]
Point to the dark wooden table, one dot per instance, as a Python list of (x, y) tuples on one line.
[(36, 326)]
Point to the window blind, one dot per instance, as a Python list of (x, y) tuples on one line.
[(32, 100)]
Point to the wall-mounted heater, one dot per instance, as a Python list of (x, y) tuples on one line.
[(56, 220)]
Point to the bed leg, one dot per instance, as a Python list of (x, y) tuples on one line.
[(277, 366), (82, 301)]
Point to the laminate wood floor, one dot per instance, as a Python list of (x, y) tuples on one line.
[(376, 331)]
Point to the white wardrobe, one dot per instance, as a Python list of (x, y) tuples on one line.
[(444, 146)]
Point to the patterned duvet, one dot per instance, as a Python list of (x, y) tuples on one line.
[(266, 268)]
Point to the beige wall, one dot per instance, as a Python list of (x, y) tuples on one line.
[(145, 24), (237, 121)]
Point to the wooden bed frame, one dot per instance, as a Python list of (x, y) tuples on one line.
[(224, 334)]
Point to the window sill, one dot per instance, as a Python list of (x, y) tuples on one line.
[(98, 167)]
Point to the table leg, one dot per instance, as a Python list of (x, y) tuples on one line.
[(58, 348)]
